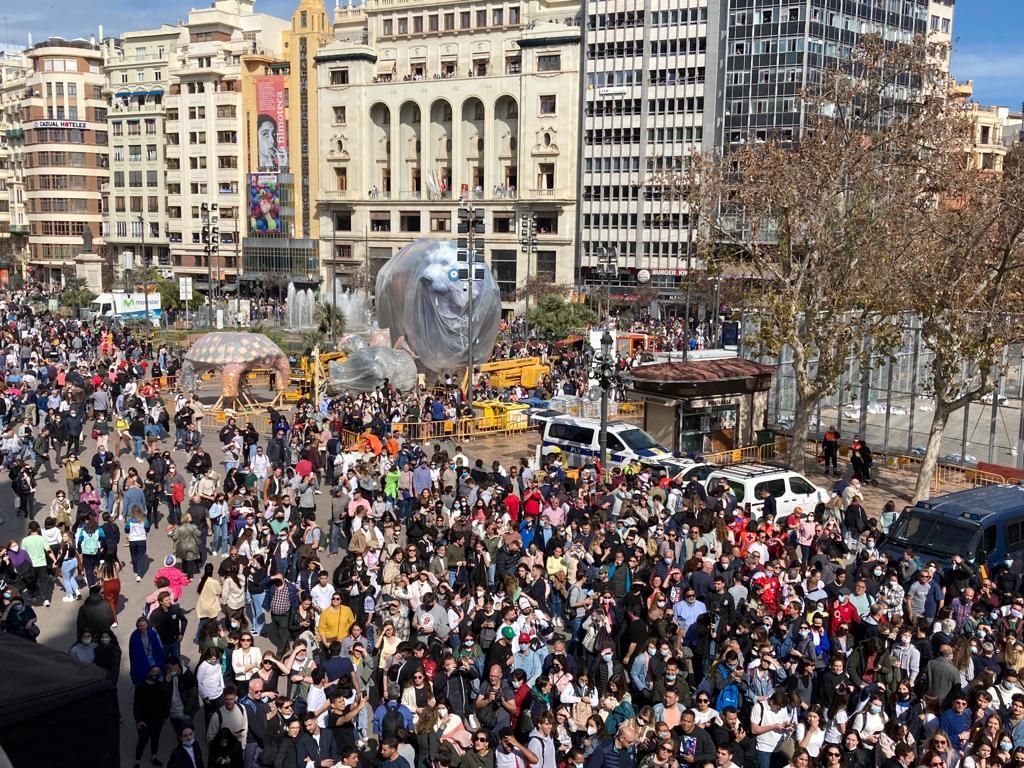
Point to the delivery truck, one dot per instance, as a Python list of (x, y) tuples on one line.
[(126, 306)]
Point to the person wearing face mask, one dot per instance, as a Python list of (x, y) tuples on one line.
[(1002, 692), (907, 657), (870, 722), (108, 655), (186, 754), (150, 710), (85, 649), (892, 594), (643, 684), (607, 667)]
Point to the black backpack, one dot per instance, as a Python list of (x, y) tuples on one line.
[(391, 723)]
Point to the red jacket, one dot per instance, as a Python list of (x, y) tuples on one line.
[(842, 613)]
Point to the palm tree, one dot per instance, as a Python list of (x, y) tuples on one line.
[(325, 314)]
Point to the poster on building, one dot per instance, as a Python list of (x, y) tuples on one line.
[(271, 123), (264, 203)]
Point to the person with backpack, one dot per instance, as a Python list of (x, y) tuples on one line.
[(90, 544), (392, 715)]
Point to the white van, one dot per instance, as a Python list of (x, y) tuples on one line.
[(127, 306), (789, 488), (579, 440)]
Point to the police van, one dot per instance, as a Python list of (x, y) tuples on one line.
[(579, 442), (984, 525)]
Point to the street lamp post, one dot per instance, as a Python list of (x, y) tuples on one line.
[(607, 267), (145, 281), (605, 376), (470, 257), (210, 236), (334, 280), (528, 242)]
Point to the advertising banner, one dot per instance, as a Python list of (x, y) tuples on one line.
[(264, 203), (271, 123)]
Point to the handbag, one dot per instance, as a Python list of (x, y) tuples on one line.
[(787, 746)]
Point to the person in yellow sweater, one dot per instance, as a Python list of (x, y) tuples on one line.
[(335, 622)]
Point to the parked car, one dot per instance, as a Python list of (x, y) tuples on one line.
[(790, 489)]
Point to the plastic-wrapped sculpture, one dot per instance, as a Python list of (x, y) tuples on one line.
[(232, 355), (420, 298), (365, 369)]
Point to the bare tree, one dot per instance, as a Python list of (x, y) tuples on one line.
[(819, 222), (538, 286), (967, 291)]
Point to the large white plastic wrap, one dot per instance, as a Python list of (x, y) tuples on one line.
[(365, 369), (420, 298)]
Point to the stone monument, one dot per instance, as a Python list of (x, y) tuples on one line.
[(88, 265)]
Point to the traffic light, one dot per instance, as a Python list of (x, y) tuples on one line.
[(466, 221)]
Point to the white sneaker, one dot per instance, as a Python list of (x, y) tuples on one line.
[(114, 625), (138, 578), (46, 603), (67, 599)]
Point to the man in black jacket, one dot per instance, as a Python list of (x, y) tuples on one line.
[(315, 744), (200, 463), (169, 621)]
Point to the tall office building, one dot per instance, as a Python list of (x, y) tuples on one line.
[(205, 161), (137, 83), (425, 102), (649, 90), (64, 117), (14, 228), (662, 80), (281, 138)]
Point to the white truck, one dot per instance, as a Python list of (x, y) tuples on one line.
[(127, 306)]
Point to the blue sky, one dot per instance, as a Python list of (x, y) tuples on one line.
[(989, 49), (989, 33)]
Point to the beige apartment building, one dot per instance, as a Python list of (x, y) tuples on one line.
[(64, 117), (994, 130), (138, 80), (14, 71), (204, 150), (423, 103)]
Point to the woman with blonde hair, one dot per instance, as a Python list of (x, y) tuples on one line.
[(116, 491), (1013, 654)]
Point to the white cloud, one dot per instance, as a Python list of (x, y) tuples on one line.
[(1003, 65)]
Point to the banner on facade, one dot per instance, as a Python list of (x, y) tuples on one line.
[(271, 122), (264, 203)]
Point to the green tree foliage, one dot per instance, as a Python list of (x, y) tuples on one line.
[(76, 294), (554, 317)]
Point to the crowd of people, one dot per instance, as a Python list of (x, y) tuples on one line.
[(408, 606)]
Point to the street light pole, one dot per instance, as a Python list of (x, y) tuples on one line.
[(210, 235), (689, 282), (605, 375), (528, 242), (334, 280), (145, 282), (471, 223)]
